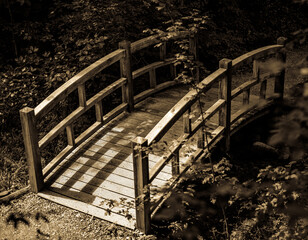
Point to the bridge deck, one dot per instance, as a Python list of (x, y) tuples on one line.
[(100, 171)]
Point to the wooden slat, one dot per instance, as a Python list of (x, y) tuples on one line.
[(53, 99), (99, 111), (70, 135), (152, 73), (152, 66), (66, 151), (247, 85), (86, 208), (82, 95)]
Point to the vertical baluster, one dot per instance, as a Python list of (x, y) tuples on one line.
[(201, 138), (225, 93), (141, 183), (99, 111), (82, 95), (126, 71), (193, 50), (176, 164), (163, 51), (70, 135), (152, 78), (246, 95), (187, 121), (279, 79), (30, 136)]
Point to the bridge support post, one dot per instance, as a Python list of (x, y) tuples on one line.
[(279, 79), (30, 136), (225, 93), (141, 183), (126, 72)]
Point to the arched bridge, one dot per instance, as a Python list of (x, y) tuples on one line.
[(111, 169)]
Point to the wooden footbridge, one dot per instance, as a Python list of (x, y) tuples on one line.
[(111, 170)]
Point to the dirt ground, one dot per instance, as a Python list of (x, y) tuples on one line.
[(38, 218)]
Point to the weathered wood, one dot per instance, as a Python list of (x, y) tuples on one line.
[(141, 182), (187, 121), (150, 67), (147, 93), (201, 138), (246, 94), (177, 111), (176, 164), (30, 136), (263, 87), (70, 135), (99, 111), (244, 87), (225, 93), (78, 112), (193, 50), (163, 51), (82, 95), (281, 59), (87, 208), (126, 71), (54, 98), (255, 54), (152, 78), (148, 41)]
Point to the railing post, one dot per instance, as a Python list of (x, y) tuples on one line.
[(126, 71), (30, 136), (175, 165), (279, 79), (141, 183), (187, 121), (225, 93), (201, 138), (193, 50)]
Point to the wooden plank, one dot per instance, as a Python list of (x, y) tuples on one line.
[(152, 73), (70, 135), (94, 199), (86, 208), (99, 111), (30, 137), (54, 98), (66, 151), (246, 94), (82, 95), (74, 175)]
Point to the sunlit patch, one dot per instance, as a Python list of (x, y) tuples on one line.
[(118, 129)]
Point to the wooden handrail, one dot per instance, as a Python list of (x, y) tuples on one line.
[(53, 99), (148, 41), (182, 106)]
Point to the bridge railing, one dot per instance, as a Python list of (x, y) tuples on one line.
[(223, 76), (123, 55)]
